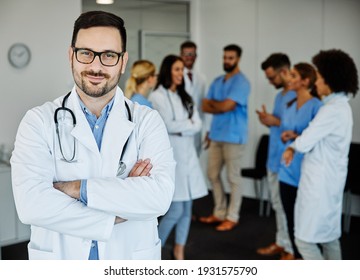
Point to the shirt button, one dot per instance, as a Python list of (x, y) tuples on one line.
[(92, 244), (96, 127)]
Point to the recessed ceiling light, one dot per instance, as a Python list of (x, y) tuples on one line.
[(104, 1)]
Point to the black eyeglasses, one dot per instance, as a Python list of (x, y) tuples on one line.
[(87, 56)]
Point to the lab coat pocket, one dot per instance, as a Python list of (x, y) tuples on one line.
[(35, 254), (153, 253)]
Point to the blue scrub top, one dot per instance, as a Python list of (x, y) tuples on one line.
[(232, 126), (276, 146), (142, 100), (296, 120)]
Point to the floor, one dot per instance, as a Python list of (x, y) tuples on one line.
[(205, 242)]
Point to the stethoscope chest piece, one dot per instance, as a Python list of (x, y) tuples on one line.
[(121, 168)]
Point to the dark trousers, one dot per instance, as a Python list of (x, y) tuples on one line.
[(288, 197)]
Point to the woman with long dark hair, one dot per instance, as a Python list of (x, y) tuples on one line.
[(181, 118)]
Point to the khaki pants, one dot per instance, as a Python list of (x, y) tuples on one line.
[(229, 155), (282, 236)]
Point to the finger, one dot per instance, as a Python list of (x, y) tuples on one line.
[(146, 170), (264, 108), (139, 170), (135, 167)]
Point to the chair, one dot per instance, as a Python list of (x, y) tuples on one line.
[(258, 173), (352, 185)]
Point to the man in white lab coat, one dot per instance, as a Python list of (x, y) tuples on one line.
[(81, 172), (195, 85)]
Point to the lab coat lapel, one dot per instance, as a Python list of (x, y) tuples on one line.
[(117, 130), (81, 131)]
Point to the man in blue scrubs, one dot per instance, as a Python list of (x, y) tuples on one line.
[(227, 101), (277, 70)]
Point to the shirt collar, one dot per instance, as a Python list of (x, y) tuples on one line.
[(332, 96), (105, 111)]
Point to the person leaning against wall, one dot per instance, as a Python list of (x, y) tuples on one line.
[(325, 143), (277, 70), (227, 101), (141, 82), (81, 172)]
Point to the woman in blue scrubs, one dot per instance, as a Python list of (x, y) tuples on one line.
[(296, 118)]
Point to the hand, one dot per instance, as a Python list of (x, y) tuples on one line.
[(207, 141), (288, 135), (288, 156), (141, 168), (267, 119), (71, 188)]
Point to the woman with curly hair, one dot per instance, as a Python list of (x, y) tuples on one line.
[(325, 143)]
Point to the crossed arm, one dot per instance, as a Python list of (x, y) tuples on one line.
[(72, 188), (217, 107)]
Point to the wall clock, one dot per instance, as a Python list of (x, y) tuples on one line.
[(19, 55)]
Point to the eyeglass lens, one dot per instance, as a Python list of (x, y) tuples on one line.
[(106, 58)]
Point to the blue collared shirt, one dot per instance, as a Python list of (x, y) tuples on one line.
[(97, 126)]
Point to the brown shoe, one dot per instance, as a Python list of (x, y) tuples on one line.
[(226, 225), (272, 249), (285, 256), (210, 220)]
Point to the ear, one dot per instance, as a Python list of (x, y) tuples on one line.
[(306, 82), (125, 59), (70, 54), (284, 74)]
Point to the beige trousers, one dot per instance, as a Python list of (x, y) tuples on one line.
[(226, 155)]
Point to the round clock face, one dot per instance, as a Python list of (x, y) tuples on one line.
[(19, 55)]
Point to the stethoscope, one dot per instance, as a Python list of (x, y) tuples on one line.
[(121, 167)]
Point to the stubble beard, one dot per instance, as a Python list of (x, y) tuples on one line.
[(229, 68), (91, 89)]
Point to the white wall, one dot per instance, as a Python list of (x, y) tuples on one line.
[(299, 28), (46, 27)]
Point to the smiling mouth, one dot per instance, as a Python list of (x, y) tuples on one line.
[(95, 78)]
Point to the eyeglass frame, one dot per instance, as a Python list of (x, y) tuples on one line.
[(75, 50)]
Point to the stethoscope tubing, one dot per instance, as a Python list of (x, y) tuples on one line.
[(63, 107)]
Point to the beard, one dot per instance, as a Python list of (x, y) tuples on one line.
[(91, 89), (278, 86), (229, 68)]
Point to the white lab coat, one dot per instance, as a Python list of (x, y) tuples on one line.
[(189, 179), (62, 227), (326, 144), (197, 89)]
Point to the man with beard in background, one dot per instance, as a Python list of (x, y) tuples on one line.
[(227, 100)]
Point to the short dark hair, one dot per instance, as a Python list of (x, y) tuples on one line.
[(338, 70), (187, 44), (276, 61), (233, 47), (99, 18)]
